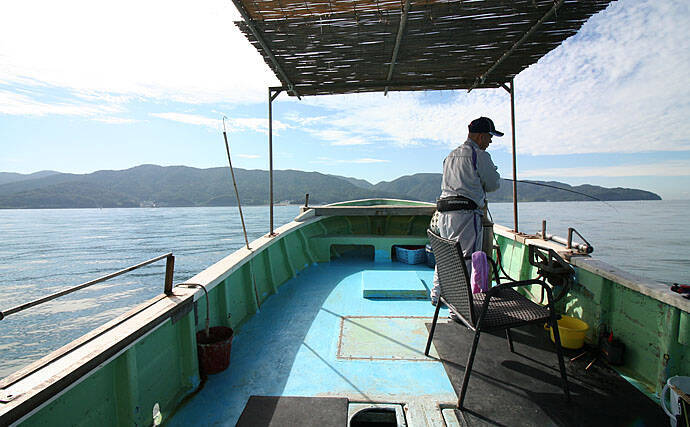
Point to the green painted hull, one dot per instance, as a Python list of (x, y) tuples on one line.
[(161, 367), (656, 334)]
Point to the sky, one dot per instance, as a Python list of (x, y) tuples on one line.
[(86, 86)]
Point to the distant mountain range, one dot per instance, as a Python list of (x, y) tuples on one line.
[(151, 185), (6, 177)]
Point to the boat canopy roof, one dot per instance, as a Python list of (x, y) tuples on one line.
[(318, 47)]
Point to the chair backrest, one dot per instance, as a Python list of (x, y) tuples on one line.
[(453, 277)]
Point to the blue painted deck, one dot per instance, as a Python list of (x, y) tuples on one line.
[(291, 347)]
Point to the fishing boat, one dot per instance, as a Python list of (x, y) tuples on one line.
[(326, 325)]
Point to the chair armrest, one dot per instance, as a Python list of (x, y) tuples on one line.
[(493, 291), (494, 268), (498, 288)]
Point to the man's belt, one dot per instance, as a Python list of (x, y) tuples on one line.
[(455, 203)]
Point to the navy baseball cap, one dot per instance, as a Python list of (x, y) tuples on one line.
[(484, 125)]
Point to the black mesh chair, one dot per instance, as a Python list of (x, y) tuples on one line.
[(500, 308)]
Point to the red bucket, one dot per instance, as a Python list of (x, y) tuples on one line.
[(214, 350)]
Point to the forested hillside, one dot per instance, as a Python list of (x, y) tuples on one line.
[(148, 185)]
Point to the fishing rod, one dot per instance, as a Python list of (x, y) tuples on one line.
[(557, 188), (239, 206), (541, 184), (234, 183)]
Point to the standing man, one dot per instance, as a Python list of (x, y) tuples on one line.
[(468, 174)]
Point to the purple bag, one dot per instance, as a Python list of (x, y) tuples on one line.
[(480, 272)]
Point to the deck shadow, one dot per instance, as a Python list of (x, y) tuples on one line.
[(524, 388)]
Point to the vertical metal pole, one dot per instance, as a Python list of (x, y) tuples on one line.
[(512, 123), (270, 156), (169, 270)]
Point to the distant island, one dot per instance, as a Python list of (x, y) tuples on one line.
[(158, 186)]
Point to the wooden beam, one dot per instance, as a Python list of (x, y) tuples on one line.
[(398, 40), (257, 34), (480, 80)]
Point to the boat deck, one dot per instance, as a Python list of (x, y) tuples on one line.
[(318, 336)]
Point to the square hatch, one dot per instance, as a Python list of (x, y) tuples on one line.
[(384, 338)]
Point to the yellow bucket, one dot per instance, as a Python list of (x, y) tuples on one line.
[(572, 332)]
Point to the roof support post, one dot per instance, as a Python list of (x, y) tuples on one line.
[(272, 94), (511, 90), (398, 40)]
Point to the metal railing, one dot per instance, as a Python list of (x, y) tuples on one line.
[(169, 269)]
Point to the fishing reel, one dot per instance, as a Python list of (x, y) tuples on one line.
[(553, 269)]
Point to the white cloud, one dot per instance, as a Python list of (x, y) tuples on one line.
[(24, 103), (669, 168), (302, 120), (365, 160), (178, 50), (368, 160), (406, 119), (231, 125), (618, 86), (115, 120), (337, 137), (190, 119)]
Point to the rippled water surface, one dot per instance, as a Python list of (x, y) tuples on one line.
[(44, 251)]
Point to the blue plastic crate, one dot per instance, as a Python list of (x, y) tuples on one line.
[(410, 254)]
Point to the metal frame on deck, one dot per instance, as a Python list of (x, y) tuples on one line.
[(268, 26), (273, 93), (167, 287)]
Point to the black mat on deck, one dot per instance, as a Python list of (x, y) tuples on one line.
[(294, 411), (524, 388)]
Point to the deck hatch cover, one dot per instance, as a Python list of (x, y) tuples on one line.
[(384, 338)]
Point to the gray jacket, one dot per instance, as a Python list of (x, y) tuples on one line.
[(469, 171)]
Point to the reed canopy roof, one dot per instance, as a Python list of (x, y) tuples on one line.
[(343, 46)]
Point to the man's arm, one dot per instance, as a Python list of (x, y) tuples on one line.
[(487, 171)]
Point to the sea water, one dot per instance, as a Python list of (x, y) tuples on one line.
[(45, 251)]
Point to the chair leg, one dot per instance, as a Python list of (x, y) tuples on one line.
[(559, 352), (433, 328), (468, 369), (510, 340)]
